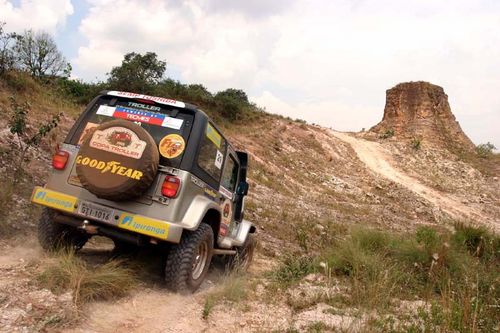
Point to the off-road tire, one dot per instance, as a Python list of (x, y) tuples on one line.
[(244, 255), (53, 236), (179, 263)]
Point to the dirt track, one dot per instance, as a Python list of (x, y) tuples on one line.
[(379, 160)]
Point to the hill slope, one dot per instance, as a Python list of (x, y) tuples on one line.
[(308, 185)]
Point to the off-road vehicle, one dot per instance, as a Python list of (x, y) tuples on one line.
[(149, 170)]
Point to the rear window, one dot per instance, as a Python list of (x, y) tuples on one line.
[(164, 123)]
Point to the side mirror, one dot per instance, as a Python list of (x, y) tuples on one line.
[(242, 188)]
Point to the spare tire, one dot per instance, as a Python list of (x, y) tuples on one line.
[(117, 161)]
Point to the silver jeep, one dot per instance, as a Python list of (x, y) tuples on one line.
[(147, 170)]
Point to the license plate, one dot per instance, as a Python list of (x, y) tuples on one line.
[(96, 212)]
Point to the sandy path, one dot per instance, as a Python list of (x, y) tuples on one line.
[(145, 311), (380, 161)]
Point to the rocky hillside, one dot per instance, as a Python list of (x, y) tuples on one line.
[(308, 187)]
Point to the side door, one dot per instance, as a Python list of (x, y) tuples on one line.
[(228, 185)]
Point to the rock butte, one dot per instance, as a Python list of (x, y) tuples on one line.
[(421, 109)]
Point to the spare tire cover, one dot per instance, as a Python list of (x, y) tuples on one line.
[(117, 161)]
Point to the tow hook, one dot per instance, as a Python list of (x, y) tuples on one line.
[(88, 228)]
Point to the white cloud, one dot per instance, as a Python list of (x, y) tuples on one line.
[(328, 62), (45, 15)]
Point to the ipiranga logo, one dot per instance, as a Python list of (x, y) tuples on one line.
[(54, 200), (131, 223)]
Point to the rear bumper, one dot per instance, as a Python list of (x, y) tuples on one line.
[(158, 229)]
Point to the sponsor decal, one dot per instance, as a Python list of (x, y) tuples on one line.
[(198, 182), (223, 230), (144, 106), (112, 167), (140, 116), (161, 100), (218, 160), (118, 140), (214, 136), (53, 199), (74, 180), (226, 212), (105, 110), (211, 193), (171, 146), (147, 117), (88, 129), (144, 225), (225, 192)]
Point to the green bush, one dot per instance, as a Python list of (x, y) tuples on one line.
[(416, 143), (25, 138), (78, 91), (292, 269), (387, 134), (485, 150)]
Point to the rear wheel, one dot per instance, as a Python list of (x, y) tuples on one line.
[(53, 236), (188, 262)]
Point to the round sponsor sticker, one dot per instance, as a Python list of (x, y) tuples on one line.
[(171, 146)]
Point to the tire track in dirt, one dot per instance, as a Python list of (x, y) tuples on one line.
[(379, 161)]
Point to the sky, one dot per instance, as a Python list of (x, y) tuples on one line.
[(326, 61)]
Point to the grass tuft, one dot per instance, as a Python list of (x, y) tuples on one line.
[(232, 289), (292, 269), (68, 272), (456, 274)]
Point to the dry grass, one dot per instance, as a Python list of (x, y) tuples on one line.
[(232, 289), (69, 272)]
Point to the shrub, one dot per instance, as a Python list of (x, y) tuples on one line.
[(387, 134), (485, 150), (78, 91), (416, 143), (292, 269), (25, 138)]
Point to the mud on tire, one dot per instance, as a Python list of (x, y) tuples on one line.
[(184, 272), (53, 236)]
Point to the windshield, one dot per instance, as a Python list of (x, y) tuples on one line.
[(160, 121)]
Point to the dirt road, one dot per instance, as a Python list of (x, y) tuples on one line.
[(379, 161)]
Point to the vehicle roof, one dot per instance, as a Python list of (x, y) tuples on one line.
[(156, 99), (164, 101)]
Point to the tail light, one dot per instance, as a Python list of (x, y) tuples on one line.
[(60, 159), (170, 186)]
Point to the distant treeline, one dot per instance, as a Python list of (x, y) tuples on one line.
[(36, 54)]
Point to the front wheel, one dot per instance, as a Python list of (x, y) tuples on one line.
[(244, 255), (188, 262)]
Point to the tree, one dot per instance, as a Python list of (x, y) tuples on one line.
[(37, 54), (237, 95), (138, 73), (6, 55), (231, 103)]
